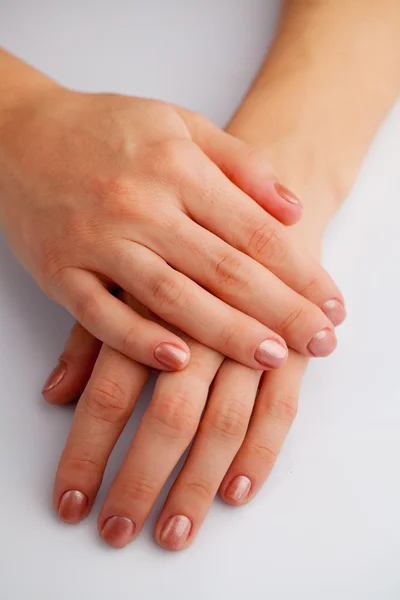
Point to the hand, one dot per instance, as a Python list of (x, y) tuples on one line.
[(106, 191), (226, 447)]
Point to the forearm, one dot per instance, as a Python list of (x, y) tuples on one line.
[(18, 80), (326, 85)]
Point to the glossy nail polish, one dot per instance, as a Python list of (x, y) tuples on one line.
[(271, 353), (72, 507), (238, 489), (56, 376), (171, 356), (286, 194), (323, 343), (118, 531), (175, 532), (335, 311)]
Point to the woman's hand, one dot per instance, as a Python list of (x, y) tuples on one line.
[(104, 191), (237, 439)]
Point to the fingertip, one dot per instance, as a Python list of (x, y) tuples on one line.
[(271, 353), (237, 491), (322, 343), (172, 357), (286, 206), (67, 381), (53, 382), (335, 310)]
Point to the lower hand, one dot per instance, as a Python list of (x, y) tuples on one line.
[(236, 441)]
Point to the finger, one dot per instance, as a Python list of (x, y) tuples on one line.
[(246, 285), (164, 433), (273, 415), (100, 416), (220, 435), (114, 323), (75, 365), (246, 167), (179, 301), (210, 198)]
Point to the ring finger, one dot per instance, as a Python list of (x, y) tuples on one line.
[(220, 436), (273, 415)]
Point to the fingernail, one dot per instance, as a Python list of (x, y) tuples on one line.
[(335, 311), (286, 194), (56, 376), (171, 356), (271, 353), (118, 531), (323, 343), (175, 532), (72, 506), (238, 489)]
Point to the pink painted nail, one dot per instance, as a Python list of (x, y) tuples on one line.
[(118, 531), (323, 343), (56, 376), (286, 194), (171, 356), (271, 353), (335, 311), (175, 532), (238, 489), (72, 507)]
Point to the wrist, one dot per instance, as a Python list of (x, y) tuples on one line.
[(296, 162), (20, 85)]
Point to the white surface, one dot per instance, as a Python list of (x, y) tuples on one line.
[(326, 525)]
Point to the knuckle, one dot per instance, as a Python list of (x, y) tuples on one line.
[(175, 416), (201, 488), (229, 422), (293, 321), (80, 467), (108, 401), (111, 191), (129, 342), (229, 271), (172, 158), (167, 293), (86, 310), (252, 155), (140, 487), (312, 291), (264, 452), (265, 242), (283, 408), (229, 335), (51, 272)]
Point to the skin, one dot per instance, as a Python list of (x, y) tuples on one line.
[(240, 433), (103, 191)]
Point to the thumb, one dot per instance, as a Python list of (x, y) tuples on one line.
[(69, 378), (246, 167)]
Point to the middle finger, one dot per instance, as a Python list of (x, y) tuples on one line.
[(164, 433)]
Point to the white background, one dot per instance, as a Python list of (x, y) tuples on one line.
[(326, 525)]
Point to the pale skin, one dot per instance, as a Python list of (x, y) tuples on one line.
[(101, 191), (240, 434)]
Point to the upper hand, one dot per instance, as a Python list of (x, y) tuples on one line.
[(106, 191)]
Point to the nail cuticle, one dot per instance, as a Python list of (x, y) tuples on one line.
[(170, 356), (271, 353), (56, 376), (72, 506), (286, 194), (175, 532)]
